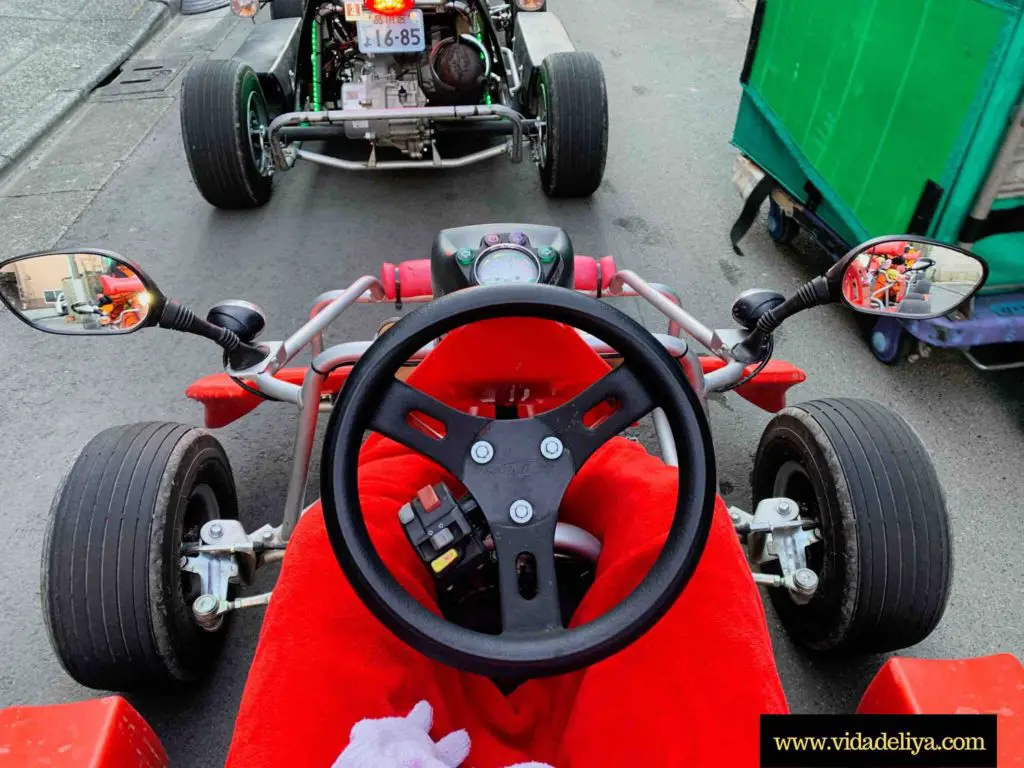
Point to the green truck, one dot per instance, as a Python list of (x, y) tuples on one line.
[(873, 117)]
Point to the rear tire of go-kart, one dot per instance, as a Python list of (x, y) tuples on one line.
[(571, 97), (116, 603), (221, 99), (286, 9), (885, 559)]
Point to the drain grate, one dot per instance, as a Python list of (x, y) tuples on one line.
[(190, 7), (145, 76)]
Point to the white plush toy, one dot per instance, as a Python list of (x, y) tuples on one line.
[(404, 742)]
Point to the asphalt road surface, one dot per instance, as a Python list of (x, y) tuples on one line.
[(117, 179)]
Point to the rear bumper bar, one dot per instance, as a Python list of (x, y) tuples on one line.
[(285, 156)]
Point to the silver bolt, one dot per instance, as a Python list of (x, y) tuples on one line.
[(182, 561), (734, 515), (482, 452), (205, 604), (268, 535), (805, 580), (521, 511), (216, 530), (551, 448), (784, 508)]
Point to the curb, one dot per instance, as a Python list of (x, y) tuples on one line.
[(23, 135)]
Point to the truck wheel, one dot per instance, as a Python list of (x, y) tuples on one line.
[(782, 229), (224, 118), (118, 608), (884, 562), (286, 9), (572, 100), (888, 342)]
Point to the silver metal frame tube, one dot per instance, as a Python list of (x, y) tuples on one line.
[(671, 310), (404, 165), (725, 376), (304, 435), (298, 340), (403, 114), (665, 439)]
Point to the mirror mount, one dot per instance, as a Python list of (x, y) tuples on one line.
[(811, 294)]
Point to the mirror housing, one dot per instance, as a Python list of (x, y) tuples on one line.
[(908, 277), (80, 292)]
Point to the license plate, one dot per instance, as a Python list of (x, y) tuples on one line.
[(392, 34)]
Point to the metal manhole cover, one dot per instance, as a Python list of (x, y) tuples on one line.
[(145, 76)]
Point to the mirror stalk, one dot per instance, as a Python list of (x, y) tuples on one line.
[(177, 317)]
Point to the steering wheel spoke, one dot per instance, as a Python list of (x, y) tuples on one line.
[(617, 400), (526, 578), (444, 436)]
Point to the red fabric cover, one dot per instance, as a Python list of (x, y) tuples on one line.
[(693, 686), (99, 733), (985, 685)]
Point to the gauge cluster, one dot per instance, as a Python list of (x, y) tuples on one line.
[(499, 254)]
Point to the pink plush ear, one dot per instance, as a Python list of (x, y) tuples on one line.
[(453, 748)]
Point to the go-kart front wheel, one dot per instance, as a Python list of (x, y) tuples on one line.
[(571, 100), (117, 605), (224, 121), (884, 562)]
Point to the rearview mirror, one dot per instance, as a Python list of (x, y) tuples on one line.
[(76, 292), (914, 279)]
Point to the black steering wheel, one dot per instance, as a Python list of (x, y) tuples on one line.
[(533, 641)]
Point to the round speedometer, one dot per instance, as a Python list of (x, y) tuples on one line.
[(506, 264)]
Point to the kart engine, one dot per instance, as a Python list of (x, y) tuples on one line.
[(449, 71)]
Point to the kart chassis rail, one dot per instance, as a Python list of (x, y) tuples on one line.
[(228, 555), (295, 124)]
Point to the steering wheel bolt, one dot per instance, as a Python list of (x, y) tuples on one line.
[(482, 452), (521, 511), (551, 448)]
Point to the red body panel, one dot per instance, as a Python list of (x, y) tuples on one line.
[(224, 401), (984, 685), (101, 733)]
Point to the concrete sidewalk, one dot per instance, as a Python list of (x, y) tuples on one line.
[(54, 52)]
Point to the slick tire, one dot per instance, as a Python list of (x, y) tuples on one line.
[(885, 559), (117, 606), (572, 99), (223, 109)]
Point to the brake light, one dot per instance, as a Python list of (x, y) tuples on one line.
[(390, 7)]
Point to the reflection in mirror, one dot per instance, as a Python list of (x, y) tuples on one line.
[(913, 279), (73, 293)]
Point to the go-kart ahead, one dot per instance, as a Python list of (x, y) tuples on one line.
[(403, 75), (845, 495)]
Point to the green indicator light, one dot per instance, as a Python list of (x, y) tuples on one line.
[(547, 255), (465, 256)]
